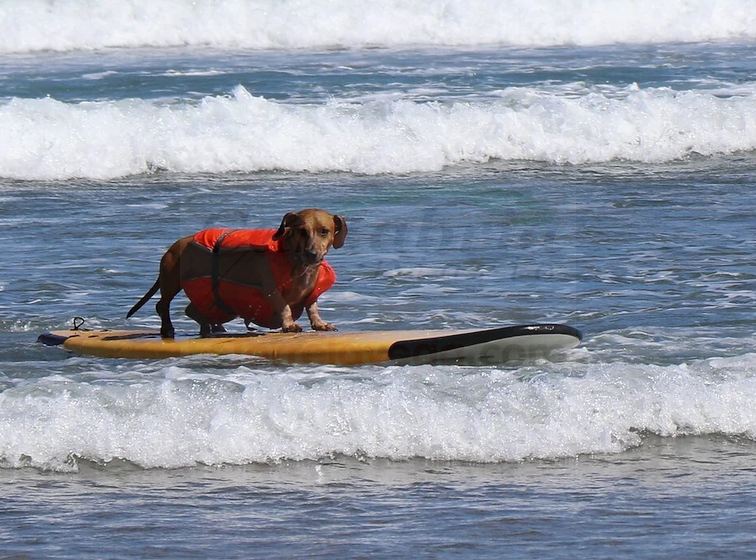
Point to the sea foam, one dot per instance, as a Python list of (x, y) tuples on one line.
[(183, 418), (38, 25), (50, 139)]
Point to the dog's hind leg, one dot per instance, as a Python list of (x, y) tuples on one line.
[(163, 308), (170, 286)]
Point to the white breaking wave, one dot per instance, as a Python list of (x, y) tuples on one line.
[(63, 25), (49, 139), (240, 417)]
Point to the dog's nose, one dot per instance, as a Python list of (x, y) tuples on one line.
[(312, 255)]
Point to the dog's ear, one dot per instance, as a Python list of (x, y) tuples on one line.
[(290, 220), (340, 232)]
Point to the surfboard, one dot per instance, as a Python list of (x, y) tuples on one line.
[(488, 346)]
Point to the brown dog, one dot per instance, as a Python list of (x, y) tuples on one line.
[(267, 277)]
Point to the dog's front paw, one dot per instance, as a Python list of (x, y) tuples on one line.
[(291, 328), (323, 327)]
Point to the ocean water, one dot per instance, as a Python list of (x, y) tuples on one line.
[(588, 163)]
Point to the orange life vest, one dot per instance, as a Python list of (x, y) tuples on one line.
[(221, 300)]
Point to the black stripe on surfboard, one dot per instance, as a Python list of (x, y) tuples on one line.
[(406, 349)]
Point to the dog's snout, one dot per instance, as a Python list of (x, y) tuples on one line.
[(312, 254)]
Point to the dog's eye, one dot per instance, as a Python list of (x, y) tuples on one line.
[(324, 232)]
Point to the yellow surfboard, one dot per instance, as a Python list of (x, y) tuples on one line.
[(488, 346)]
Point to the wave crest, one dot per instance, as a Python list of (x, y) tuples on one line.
[(48, 139), (39, 25), (437, 413)]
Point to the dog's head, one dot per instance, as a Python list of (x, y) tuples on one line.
[(310, 233)]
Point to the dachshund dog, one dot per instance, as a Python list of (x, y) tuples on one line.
[(267, 277)]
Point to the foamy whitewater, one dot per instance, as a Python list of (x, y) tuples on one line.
[(42, 25), (50, 139), (498, 163), (440, 413)]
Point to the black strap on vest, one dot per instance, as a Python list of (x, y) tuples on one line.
[(215, 271)]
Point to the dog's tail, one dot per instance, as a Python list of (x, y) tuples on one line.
[(145, 298)]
